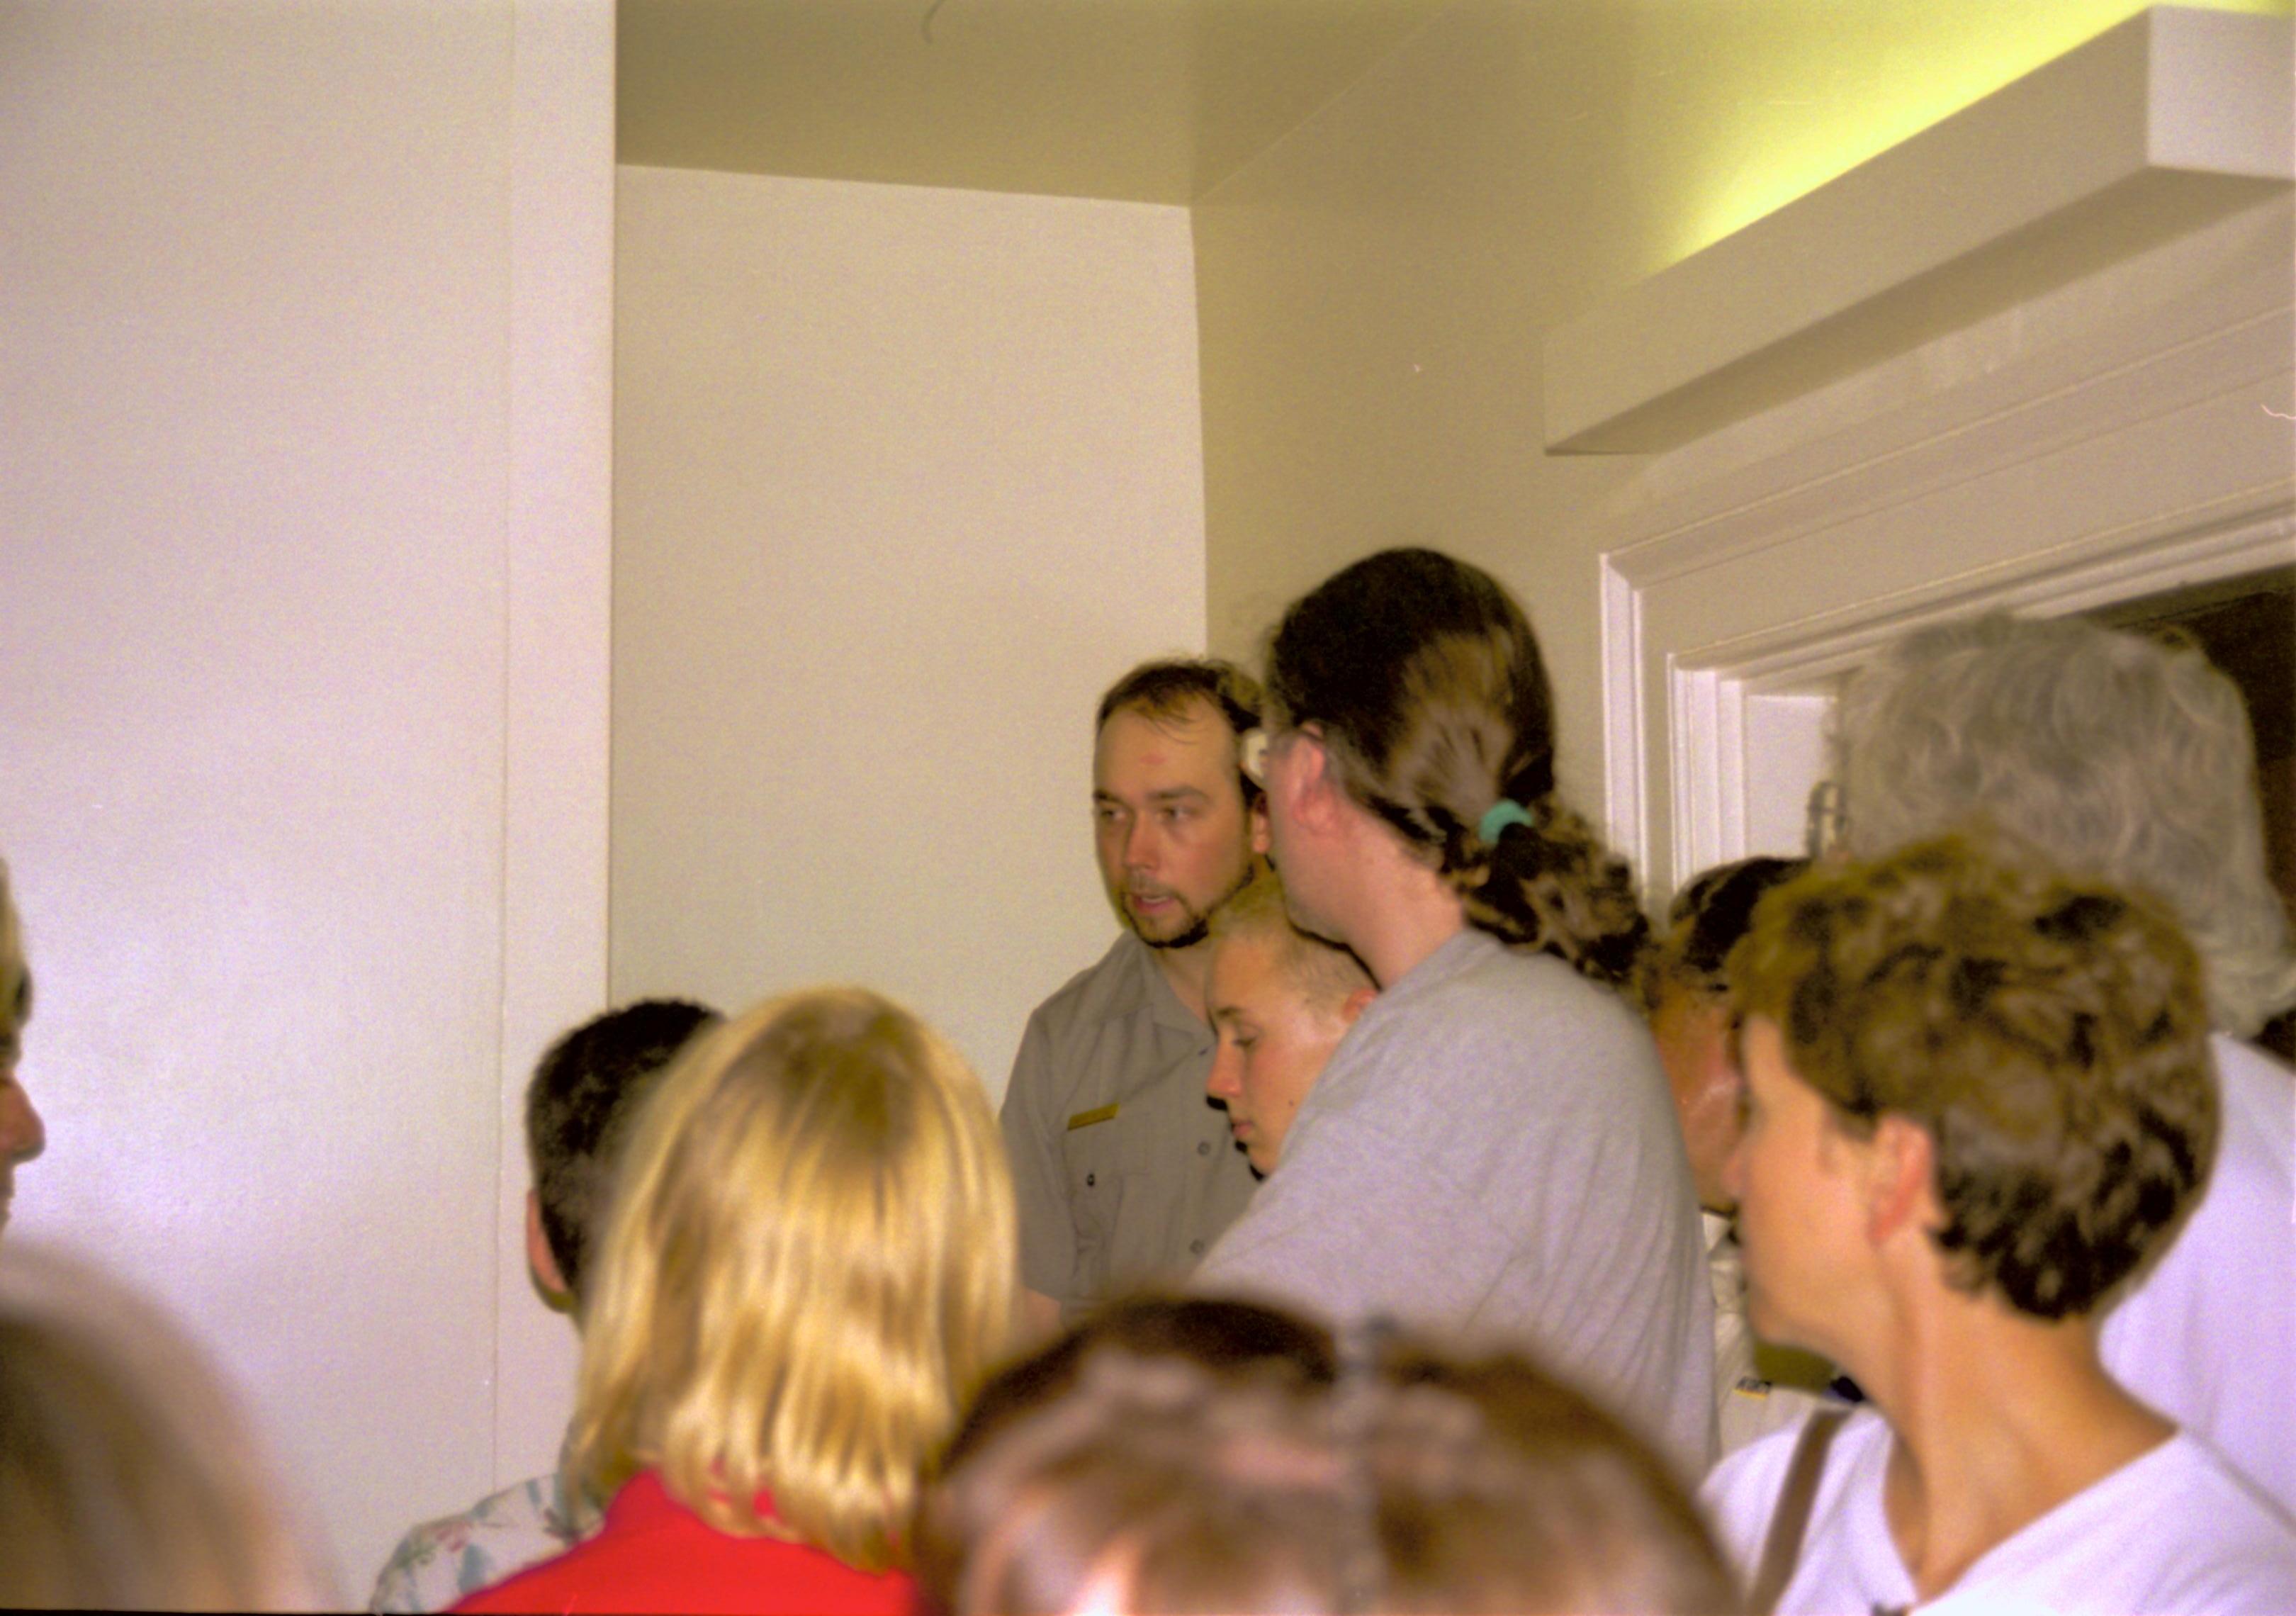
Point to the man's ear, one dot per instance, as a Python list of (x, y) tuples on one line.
[(1256, 816), (541, 1262), (1903, 1163), (1354, 1004), (1312, 794)]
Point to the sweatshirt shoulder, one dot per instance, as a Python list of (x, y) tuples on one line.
[(1526, 995)]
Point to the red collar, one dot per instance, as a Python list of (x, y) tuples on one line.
[(647, 1501)]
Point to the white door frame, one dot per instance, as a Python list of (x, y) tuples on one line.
[(2129, 434)]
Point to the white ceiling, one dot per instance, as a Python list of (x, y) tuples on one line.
[(1151, 101)]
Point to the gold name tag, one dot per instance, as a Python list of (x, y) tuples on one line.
[(1085, 1118)]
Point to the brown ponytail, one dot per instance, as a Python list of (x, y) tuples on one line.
[(1551, 885), (1434, 705)]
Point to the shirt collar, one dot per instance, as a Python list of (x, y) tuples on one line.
[(1164, 1006), (645, 1500)]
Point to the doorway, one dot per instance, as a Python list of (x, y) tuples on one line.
[(2247, 627)]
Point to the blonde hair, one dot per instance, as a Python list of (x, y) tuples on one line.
[(2115, 754), (1323, 973), (129, 1478), (809, 1266)]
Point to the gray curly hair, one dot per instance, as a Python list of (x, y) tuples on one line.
[(2115, 754)]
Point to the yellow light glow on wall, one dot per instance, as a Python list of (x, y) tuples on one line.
[(1789, 94)]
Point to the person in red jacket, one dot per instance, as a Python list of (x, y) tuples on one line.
[(811, 1264)]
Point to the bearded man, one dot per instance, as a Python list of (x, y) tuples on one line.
[(1123, 1167)]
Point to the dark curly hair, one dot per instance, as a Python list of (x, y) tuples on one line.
[(1434, 703), (1703, 923), (2050, 1034)]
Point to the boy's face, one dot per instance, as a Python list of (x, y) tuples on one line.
[(1274, 1043)]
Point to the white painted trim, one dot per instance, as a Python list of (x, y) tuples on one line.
[(2117, 438), (1996, 408), (1624, 755), (2171, 118), (558, 602), (1801, 654), (1696, 752)]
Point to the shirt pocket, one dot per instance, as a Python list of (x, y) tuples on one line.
[(1124, 1194)]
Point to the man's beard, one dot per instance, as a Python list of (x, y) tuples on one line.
[(1199, 920), (1199, 928)]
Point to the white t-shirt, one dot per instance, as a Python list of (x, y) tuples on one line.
[(2176, 1530), (2209, 1338)]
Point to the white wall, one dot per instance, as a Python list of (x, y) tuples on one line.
[(302, 525), (904, 478)]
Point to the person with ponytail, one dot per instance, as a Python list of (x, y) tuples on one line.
[(1492, 1149)]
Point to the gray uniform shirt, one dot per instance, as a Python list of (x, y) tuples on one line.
[(1492, 1150), (1123, 1168)]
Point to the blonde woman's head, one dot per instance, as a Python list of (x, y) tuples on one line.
[(809, 1266)]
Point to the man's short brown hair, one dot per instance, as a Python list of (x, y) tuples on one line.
[(2048, 1033), (582, 1103), (1166, 689)]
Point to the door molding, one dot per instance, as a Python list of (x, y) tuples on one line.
[(2124, 435)]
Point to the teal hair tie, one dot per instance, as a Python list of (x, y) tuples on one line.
[(1505, 812)]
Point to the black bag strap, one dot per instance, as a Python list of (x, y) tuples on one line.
[(1790, 1520)]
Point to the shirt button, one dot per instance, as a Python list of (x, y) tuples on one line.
[(1090, 1179), (1204, 1147), (1195, 1248)]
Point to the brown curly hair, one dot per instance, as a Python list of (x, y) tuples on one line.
[(1434, 706), (2049, 1033)]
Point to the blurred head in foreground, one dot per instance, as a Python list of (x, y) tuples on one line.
[(22, 1135), (809, 1267), (1160, 1477), (129, 1478)]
